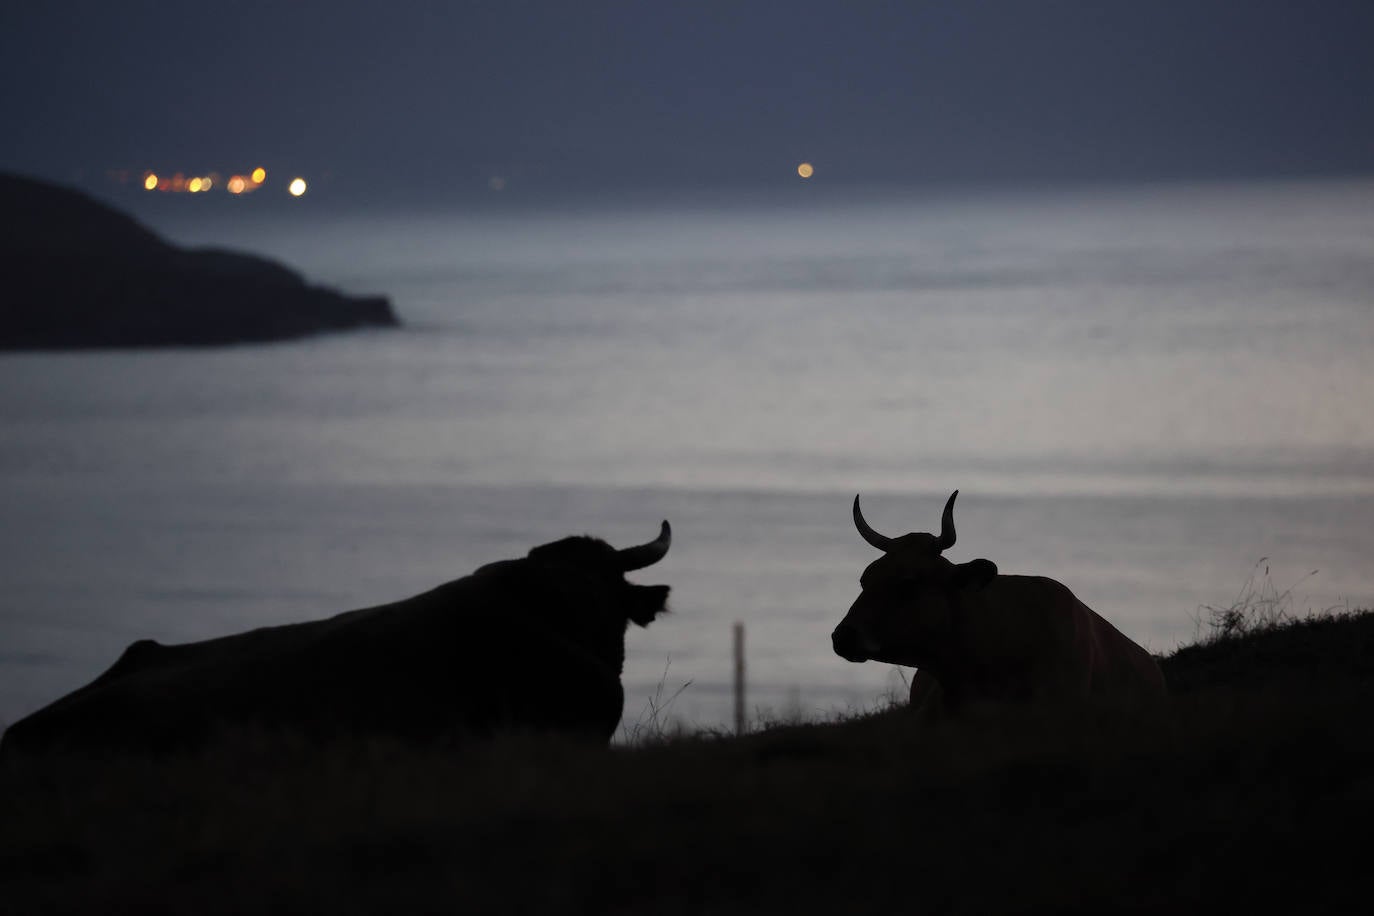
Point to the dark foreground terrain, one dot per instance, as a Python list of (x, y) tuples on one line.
[(76, 274), (1254, 790)]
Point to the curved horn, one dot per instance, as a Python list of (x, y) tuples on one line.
[(643, 555), (880, 541), (947, 524)]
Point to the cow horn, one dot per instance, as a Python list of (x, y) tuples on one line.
[(880, 541), (947, 524), (643, 555)]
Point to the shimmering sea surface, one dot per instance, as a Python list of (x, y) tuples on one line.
[(1139, 391)]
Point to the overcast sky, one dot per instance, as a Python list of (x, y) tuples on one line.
[(435, 99)]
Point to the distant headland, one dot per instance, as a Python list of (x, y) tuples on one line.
[(78, 274)]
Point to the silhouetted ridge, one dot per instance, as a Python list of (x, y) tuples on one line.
[(80, 274)]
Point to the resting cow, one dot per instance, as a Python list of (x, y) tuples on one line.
[(535, 644), (977, 636)]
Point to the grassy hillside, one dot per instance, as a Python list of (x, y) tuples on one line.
[(1249, 791)]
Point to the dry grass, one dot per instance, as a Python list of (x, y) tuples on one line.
[(1237, 797), (655, 722), (1260, 605)]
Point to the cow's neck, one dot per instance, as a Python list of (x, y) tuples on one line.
[(953, 663), (607, 647)]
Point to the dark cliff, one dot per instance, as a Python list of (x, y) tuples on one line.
[(79, 274)]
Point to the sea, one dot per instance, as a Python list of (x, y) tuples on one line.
[(1159, 394)]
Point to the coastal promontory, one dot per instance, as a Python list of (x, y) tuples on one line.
[(78, 274)]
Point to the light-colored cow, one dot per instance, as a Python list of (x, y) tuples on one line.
[(977, 636)]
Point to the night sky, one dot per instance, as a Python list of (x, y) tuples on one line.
[(431, 100)]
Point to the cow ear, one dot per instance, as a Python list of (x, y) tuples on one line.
[(646, 602), (975, 573)]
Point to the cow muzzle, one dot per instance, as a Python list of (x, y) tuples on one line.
[(848, 644)]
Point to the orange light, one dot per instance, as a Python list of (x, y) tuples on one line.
[(237, 184), (806, 170), (259, 175), (150, 182), (297, 187), (193, 185)]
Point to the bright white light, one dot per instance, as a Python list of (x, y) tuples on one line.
[(297, 187)]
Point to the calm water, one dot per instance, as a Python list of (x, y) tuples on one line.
[(1139, 391)]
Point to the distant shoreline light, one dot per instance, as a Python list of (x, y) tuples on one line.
[(197, 184), (806, 170), (297, 187), (179, 183)]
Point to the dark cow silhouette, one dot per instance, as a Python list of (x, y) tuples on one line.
[(535, 644), (978, 636)]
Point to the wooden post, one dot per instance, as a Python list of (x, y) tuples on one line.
[(739, 679)]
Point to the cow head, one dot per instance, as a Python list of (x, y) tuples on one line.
[(587, 566), (905, 612), (576, 587)]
